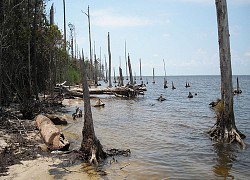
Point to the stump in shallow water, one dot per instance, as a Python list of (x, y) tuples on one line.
[(225, 129), (51, 135)]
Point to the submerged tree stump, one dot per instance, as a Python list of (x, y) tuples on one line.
[(51, 135), (225, 129)]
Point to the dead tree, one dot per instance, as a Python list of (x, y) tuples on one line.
[(109, 52), (90, 146), (121, 76), (90, 47), (130, 71), (238, 90), (126, 61), (225, 129), (34, 55), (52, 14), (64, 20)]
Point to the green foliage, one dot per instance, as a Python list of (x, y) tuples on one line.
[(28, 54), (74, 75), (219, 108)]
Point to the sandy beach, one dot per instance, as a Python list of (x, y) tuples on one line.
[(23, 155), (48, 168)]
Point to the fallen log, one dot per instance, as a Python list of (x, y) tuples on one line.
[(124, 91), (56, 119), (51, 135)]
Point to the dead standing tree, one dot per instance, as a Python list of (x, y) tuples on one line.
[(109, 53), (225, 129), (130, 71), (90, 146)]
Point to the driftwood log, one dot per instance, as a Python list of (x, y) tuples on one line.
[(57, 120), (124, 91), (51, 135)]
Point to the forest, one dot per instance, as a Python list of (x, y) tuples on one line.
[(34, 55)]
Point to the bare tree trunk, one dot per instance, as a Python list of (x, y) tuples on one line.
[(126, 61), (121, 77), (1, 48), (225, 62), (90, 146), (106, 70), (90, 48), (140, 71), (130, 71), (96, 71), (29, 60), (238, 86), (1, 77), (52, 15), (153, 75), (64, 20), (35, 50), (109, 51), (225, 129)]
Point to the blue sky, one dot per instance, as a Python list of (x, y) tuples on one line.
[(182, 32)]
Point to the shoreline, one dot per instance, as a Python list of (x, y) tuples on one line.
[(24, 155), (48, 168)]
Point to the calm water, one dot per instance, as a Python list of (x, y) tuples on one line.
[(167, 139)]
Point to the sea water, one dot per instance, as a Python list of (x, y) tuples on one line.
[(168, 139)]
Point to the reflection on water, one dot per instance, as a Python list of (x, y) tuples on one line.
[(226, 155), (167, 139)]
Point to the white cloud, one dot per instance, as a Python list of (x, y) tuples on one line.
[(166, 35), (107, 18), (247, 54)]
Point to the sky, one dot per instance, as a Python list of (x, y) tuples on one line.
[(182, 32)]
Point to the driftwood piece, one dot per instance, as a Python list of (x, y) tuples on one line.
[(51, 135), (77, 114), (123, 91), (67, 92), (56, 119)]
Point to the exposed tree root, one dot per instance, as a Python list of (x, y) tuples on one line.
[(216, 134), (238, 138), (93, 156), (118, 152)]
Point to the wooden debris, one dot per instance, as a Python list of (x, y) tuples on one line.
[(51, 135), (161, 98), (119, 152), (173, 87), (237, 90), (77, 114), (187, 84), (56, 119), (99, 103), (190, 95)]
